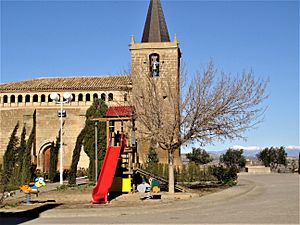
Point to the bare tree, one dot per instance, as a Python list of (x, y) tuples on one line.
[(210, 108)]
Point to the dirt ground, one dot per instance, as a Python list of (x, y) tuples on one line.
[(80, 197)]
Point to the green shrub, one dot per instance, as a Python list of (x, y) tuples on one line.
[(224, 175), (86, 138), (152, 157)]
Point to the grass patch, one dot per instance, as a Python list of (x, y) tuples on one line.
[(80, 187)]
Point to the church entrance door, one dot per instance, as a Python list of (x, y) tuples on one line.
[(47, 159)]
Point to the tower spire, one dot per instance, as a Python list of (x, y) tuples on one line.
[(155, 29)]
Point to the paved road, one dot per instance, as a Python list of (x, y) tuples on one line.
[(257, 199)]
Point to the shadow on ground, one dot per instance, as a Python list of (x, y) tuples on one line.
[(114, 195), (24, 216)]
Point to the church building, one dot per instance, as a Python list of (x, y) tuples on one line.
[(28, 102)]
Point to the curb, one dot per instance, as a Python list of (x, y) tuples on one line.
[(244, 187)]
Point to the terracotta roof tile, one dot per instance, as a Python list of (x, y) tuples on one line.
[(69, 83), (119, 111)]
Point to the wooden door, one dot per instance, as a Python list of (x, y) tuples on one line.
[(47, 159)]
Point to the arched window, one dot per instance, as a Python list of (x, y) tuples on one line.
[(43, 98), (87, 97), (73, 98), (5, 99), (12, 99), (95, 96), (80, 97), (125, 97), (110, 97), (103, 96), (154, 64), (20, 98), (27, 98), (49, 99), (35, 98)]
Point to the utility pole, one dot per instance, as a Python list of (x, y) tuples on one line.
[(96, 151)]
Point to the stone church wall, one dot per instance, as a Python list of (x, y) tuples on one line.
[(48, 126), (48, 122), (9, 119)]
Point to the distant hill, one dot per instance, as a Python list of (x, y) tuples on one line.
[(253, 153)]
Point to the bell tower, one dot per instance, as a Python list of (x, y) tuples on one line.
[(156, 56)]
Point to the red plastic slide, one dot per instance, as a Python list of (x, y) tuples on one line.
[(100, 192)]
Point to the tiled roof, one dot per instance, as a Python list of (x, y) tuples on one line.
[(119, 111), (69, 83)]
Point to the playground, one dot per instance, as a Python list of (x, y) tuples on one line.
[(80, 196), (117, 184)]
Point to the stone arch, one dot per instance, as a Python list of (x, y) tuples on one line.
[(27, 98), (43, 98), (5, 99), (87, 97), (12, 99), (49, 98), (20, 98), (80, 97), (110, 97), (154, 64), (35, 98), (95, 96), (44, 157), (103, 97)]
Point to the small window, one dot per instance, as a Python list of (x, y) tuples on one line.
[(103, 97), (125, 97), (110, 97), (27, 98), (80, 97), (111, 127), (5, 99), (12, 99), (35, 98), (73, 98), (95, 96), (43, 98), (154, 64), (87, 97), (20, 98), (49, 99)]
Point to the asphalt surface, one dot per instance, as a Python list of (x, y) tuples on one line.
[(257, 199)]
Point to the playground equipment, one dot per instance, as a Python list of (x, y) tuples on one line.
[(100, 192), (34, 189), (121, 164), (160, 179), (149, 191), (155, 185)]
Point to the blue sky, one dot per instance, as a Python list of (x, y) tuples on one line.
[(67, 38)]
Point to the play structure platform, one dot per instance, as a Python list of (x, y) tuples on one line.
[(121, 165), (114, 155)]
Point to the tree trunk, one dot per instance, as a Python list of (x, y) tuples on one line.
[(171, 171)]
